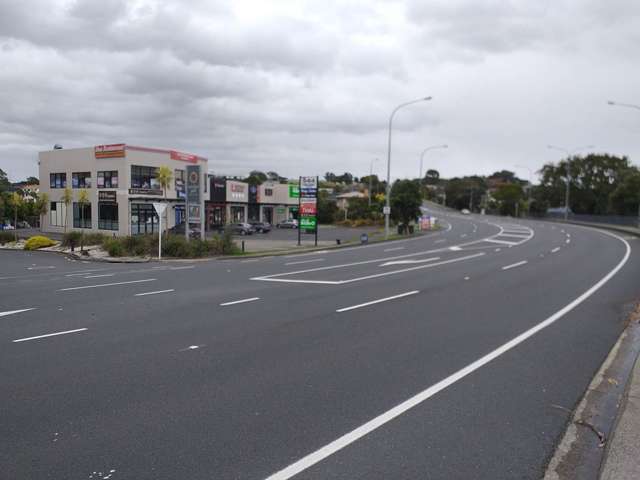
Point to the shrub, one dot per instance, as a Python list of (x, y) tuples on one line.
[(6, 237), (176, 246), (39, 241), (71, 239), (94, 238)]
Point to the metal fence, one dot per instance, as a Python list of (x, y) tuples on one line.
[(626, 220)]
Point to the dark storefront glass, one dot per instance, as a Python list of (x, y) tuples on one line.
[(143, 219), (107, 216), (81, 215)]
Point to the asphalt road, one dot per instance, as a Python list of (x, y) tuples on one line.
[(433, 357)]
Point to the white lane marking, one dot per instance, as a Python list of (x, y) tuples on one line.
[(306, 261), (346, 309), (183, 268), (467, 278), (41, 268), (463, 235), (191, 347), (85, 272), (107, 284), (235, 302), (154, 293), (376, 422), (498, 249), (441, 240), (393, 249), (455, 249), (49, 335), (557, 249), (568, 240), (514, 265), (518, 235), (475, 228), (410, 262), (101, 275), (493, 240), (11, 312), (250, 260)]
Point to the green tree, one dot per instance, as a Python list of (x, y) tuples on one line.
[(83, 199), (327, 208), (42, 206), (164, 177), (405, 201), (508, 196), (67, 199), (625, 199), (465, 192), (4, 181), (432, 177), (16, 203)]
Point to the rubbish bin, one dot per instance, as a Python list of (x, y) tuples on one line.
[(411, 229)]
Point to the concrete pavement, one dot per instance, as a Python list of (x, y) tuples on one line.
[(430, 357)]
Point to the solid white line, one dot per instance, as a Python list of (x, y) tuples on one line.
[(354, 435), (252, 299), (346, 309), (49, 335), (107, 284), (102, 275), (153, 293), (493, 240), (85, 272), (306, 261), (182, 268), (393, 249), (521, 236), (11, 312), (455, 249), (441, 240), (514, 265), (410, 262), (41, 268), (557, 249)]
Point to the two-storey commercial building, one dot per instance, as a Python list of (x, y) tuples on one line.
[(122, 184)]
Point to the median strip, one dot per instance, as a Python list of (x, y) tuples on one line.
[(50, 335), (107, 284), (235, 302), (346, 309)]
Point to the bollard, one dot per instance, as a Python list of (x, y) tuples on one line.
[(242, 246), (337, 241)]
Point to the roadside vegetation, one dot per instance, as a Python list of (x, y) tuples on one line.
[(38, 241)]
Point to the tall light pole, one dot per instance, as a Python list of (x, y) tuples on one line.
[(387, 208), (425, 151), (629, 105), (569, 155), (373, 160), (530, 186)]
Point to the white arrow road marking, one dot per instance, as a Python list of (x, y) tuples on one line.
[(11, 312), (410, 262)]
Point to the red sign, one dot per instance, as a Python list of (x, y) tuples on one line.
[(184, 157), (308, 209), (109, 151)]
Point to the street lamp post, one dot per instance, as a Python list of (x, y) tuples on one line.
[(387, 208), (425, 151), (637, 107), (569, 155), (373, 160)]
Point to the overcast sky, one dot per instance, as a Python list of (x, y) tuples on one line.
[(306, 87)]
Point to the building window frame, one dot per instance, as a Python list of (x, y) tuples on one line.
[(107, 179), (57, 214), (81, 180), (83, 221), (144, 177), (58, 180), (108, 216), (149, 217)]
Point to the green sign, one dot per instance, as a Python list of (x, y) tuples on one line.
[(308, 223), (280, 210), (294, 191)]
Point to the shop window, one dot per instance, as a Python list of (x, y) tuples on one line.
[(144, 177), (57, 214), (179, 183), (107, 216), (143, 219), (81, 179), (57, 180), (81, 215), (108, 179), (237, 214)]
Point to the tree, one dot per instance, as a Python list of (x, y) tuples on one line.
[(625, 199), (164, 179), (4, 181), (509, 195), (83, 199), (67, 199), (31, 180), (465, 192), (42, 206), (405, 201), (505, 176), (330, 177), (327, 208), (431, 177), (16, 203)]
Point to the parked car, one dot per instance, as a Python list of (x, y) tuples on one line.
[(240, 228), (290, 223), (23, 224), (261, 227), (464, 211), (7, 226), (179, 230)]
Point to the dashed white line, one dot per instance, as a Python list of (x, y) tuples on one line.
[(154, 293), (306, 261), (568, 240), (557, 249), (107, 284), (235, 302), (50, 335), (183, 268), (99, 276), (441, 240), (48, 267), (514, 265), (11, 312), (346, 309), (393, 249)]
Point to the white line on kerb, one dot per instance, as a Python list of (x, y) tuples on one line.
[(11, 312), (107, 284), (557, 249), (154, 293), (346, 309), (514, 265), (306, 261), (253, 299), (49, 335), (368, 427)]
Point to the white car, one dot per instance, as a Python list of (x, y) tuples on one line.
[(464, 211)]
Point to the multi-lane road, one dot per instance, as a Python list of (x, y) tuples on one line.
[(433, 357)]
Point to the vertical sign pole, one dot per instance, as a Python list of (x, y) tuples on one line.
[(186, 208), (299, 212), (317, 212), (203, 175), (160, 238)]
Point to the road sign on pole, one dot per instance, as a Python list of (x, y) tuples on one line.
[(160, 208)]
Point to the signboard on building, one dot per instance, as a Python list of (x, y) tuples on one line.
[(294, 191), (193, 184), (183, 157), (145, 191), (115, 150), (106, 196)]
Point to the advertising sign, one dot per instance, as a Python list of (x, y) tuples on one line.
[(308, 223), (308, 208), (294, 191), (183, 157), (194, 213), (115, 150), (193, 184), (106, 196)]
